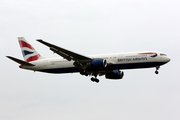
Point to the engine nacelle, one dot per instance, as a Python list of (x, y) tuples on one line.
[(97, 63), (115, 75)]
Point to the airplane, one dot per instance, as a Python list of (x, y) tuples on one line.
[(109, 65)]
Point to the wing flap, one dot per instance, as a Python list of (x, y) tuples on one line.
[(20, 61)]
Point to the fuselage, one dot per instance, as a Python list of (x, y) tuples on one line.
[(117, 61)]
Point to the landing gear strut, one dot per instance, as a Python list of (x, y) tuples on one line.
[(83, 72), (157, 68)]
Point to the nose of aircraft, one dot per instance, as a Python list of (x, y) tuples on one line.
[(167, 59)]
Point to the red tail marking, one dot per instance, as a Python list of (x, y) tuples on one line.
[(24, 44), (33, 58)]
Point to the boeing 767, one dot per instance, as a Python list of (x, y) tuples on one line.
[(109, 65)]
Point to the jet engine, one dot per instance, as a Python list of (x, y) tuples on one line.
[(97, 63), (115, 75)]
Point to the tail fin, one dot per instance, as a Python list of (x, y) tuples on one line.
[(29, 53)]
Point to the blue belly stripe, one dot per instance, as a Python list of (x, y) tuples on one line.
[(111, 67)]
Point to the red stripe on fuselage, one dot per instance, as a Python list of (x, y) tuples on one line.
[(24, 44), (147, 53)]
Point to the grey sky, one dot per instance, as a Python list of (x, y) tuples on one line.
[(90, 27)]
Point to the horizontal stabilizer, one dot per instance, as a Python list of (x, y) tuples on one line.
[(20, 61)]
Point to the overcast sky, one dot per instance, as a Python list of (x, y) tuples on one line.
[(90, 27)]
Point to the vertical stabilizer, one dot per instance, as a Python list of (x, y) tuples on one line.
[(29, 53)]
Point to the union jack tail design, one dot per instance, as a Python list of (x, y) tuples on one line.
[(29, 53)]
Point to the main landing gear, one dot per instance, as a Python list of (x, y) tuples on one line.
[(84, 73), (157, 68), (94, 80)]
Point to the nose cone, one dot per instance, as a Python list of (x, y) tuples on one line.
[(167, 59)]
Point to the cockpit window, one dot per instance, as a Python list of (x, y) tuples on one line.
[(163, 54)]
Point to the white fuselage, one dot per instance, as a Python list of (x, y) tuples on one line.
[(116, 61)]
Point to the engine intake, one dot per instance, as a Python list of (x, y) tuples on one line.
[(97, 63), (115, 75)]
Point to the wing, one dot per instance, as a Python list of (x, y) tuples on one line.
[(80, 60)]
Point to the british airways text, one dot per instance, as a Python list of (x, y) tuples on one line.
[(131, 59)]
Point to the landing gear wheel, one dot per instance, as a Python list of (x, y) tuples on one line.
[(83, 72), (86, 74), (156, 72), (94, 80)]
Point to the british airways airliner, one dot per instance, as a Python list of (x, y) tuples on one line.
[(109, 65)]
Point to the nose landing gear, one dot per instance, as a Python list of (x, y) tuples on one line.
[(156, 72), (157, 68)]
